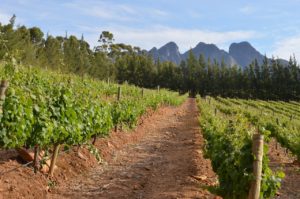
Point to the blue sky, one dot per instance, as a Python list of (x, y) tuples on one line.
[(272, 27)]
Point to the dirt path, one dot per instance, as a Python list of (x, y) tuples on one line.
[(166, 163), (280, 160)]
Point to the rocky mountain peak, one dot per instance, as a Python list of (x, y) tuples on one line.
[(241, 54), (244, 53)]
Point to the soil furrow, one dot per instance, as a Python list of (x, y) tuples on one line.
[(286, 162), (167, 162)]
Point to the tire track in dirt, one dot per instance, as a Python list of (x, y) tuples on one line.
[(165, 163)]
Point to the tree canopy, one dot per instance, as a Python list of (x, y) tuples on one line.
[(125, 63)]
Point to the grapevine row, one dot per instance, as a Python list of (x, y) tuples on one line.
[(45, 109), (229, 146), (280, 125)]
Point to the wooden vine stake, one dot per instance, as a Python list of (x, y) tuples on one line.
[(119, 94), (53, 159), (142, 92), (94, 139), (118, 99), (36, 161), (257, 150), (3, 87), (158, 88)]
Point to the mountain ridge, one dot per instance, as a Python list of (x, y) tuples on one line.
[(241, 54)]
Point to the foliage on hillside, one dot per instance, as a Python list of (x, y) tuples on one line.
[(45, 108), (124, 63)]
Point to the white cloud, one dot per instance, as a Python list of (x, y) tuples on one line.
[(104, 10), (114, 12), (247, 10), (26, 2), (159, 13), (126, 8), (195, 14), (4, 18), (160, 35), (287, 47)]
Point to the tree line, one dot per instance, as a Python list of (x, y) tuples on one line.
[(125, 63)]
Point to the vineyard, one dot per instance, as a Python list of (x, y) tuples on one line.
[(44, 109), (139, 100), (47, 112), (228, 126)]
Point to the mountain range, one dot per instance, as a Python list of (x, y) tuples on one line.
[(241, 54)]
